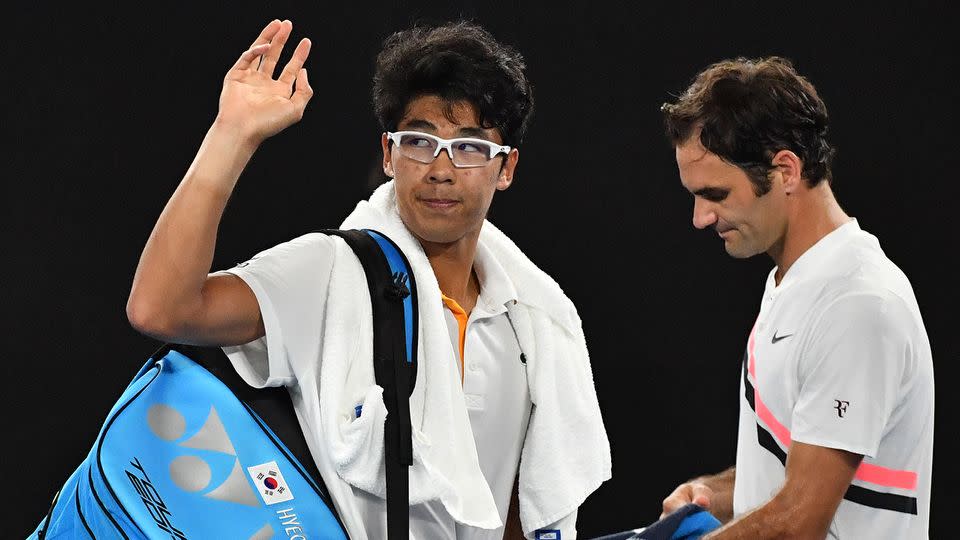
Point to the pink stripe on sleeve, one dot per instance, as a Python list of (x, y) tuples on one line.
[(883, 476)]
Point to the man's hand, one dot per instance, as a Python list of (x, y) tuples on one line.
[(690, 492), (252, 101), (715, 493)]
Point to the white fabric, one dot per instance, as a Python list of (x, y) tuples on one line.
[(326, 362), (494, 386), (851, 369)]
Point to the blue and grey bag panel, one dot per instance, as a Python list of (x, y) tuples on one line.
[(180, 456)]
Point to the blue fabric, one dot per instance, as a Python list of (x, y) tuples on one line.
[(690, 522), (695, 525)]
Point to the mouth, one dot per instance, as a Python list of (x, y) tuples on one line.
[(722, 232), (438, 203)]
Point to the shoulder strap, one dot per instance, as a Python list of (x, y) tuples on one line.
[(393, 294)]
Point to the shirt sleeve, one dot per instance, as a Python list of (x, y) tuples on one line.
[(290, 282), (850, 373)]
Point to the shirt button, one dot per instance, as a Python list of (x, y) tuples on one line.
[(474, 367)]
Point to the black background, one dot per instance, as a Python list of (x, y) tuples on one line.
[(105, 107)]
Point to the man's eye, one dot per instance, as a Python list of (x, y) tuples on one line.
[(417, 141), (469, 147), (714, 195)]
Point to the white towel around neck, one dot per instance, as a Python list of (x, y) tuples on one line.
[(566, 454)]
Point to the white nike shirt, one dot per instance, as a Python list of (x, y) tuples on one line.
[(839, 358)]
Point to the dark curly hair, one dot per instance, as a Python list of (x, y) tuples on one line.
[(455, 61), (747, 110)]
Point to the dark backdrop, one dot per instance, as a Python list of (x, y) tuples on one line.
[(104, 109)]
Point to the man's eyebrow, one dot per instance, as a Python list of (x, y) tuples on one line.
[(475, 132), (711, 192), (419, 124)]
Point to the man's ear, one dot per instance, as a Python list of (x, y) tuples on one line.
[(387, 156), (790, 169), (507, 170)]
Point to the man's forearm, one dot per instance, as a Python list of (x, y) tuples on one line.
[(773, 520), (179, 252)]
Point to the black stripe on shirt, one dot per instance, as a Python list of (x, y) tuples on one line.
[(857, 494), (767, 441), (885, 501)]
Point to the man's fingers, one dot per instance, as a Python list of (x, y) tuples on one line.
[(259, 45), (680, 496), (701, 495), (267, 33), (269, 61), (292, 69), (696, 493), (246, 59), (303, 92)]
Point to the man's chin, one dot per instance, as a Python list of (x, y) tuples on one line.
[(738, 251), (437, 235)]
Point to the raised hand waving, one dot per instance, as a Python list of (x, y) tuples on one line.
[(256, 103)]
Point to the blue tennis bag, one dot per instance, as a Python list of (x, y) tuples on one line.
[(180, 456), (191, 451)]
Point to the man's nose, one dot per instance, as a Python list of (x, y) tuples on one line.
[(442, 168), (704, 214)]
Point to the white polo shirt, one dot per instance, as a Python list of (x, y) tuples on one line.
[(839, 358), (290, 281), (494, 387)]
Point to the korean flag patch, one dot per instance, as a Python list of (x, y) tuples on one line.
[(547, 534), (270, 483)]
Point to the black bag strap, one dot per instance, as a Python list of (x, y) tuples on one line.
[(394, 300)]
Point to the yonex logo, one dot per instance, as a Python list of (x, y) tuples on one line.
[(192, 473)]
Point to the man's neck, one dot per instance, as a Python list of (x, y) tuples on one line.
[(453, 266), (814, 214)]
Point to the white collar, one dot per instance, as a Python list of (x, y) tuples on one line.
[(814, 258)]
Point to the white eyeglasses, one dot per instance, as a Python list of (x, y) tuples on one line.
[(463, 152)]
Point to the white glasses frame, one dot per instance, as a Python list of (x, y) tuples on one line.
[(447, 144)]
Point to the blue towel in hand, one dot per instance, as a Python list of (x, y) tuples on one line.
[(690, 522)]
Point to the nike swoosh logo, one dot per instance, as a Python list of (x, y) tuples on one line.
[(777, 338)]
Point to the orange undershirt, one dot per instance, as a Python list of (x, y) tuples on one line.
[(461, 317)]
